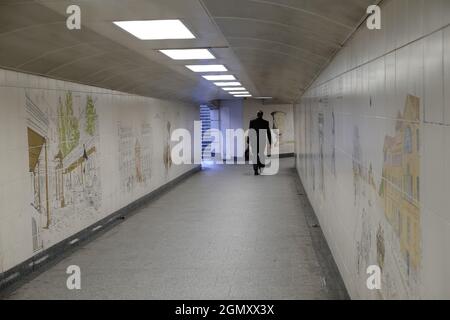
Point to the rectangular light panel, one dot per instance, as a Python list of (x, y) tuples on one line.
[(242, 95), (225, 84), (223, 77), (239, 92), (188, 54), (235, 89), (207, 68), (156, 29)]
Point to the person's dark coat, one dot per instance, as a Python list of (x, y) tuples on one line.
[(261, 124), (263, 133)]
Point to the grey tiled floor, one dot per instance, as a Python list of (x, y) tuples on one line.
[(221, 234)]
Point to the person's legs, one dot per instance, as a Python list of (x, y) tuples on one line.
[(261, 160), (256, 166)]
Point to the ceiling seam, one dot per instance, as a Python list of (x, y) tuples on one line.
[(286, 26), (279, 53), (302, 10), (213, 21), (75, 61), (281, 43), (56, 50), (349, 37), (109, 68)]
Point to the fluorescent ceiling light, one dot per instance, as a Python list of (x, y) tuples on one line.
[(235, 89), (264, 98), (223, 77), (156, 29), (239, 92), (207, 68), (242, 95), (188, 54), (225, 84)]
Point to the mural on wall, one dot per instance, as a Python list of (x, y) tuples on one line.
[(385, 196), (333, 140), (395, 246), (357, 164), (321, 156), (312, 166), (279, 123), (135, 152), (365, 196), (63, 162), (400, 195), (167, 156)]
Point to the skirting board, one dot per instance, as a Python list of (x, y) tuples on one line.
[(39, 261)]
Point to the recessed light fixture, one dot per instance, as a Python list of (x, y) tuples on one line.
[(235, 89), (231, 84), (242, 95), (156, 29), (207, 68), (188, 54), (239, 92), (264, 98), (221, 77)]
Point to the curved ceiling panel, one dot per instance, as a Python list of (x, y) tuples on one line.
[(291, 40), (273, 47), (274, 14)]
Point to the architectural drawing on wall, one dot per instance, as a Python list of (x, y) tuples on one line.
[(363, 233), (357, 164), (321, 121), (333, 141), (283, 122), (365, 196), (38, 168), (311, 158), (400, 190), (380, 247), (364, 242), (135, 150), (63, 164), (167, 156), (279, 123)]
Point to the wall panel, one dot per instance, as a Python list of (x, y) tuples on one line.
[(74, 154), (386, 137)]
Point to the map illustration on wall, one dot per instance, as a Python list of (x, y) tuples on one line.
[(63, 161)]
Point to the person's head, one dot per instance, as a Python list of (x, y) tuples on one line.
[(260, 114)]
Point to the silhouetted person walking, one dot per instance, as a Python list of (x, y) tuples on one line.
[(261, 133)]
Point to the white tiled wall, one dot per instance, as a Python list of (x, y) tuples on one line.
[(367, 85), (112, 108)]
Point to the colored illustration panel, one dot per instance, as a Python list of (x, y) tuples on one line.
[(135, 153), (63, 163)]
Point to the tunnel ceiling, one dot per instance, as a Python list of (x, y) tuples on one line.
[(275, 48)]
